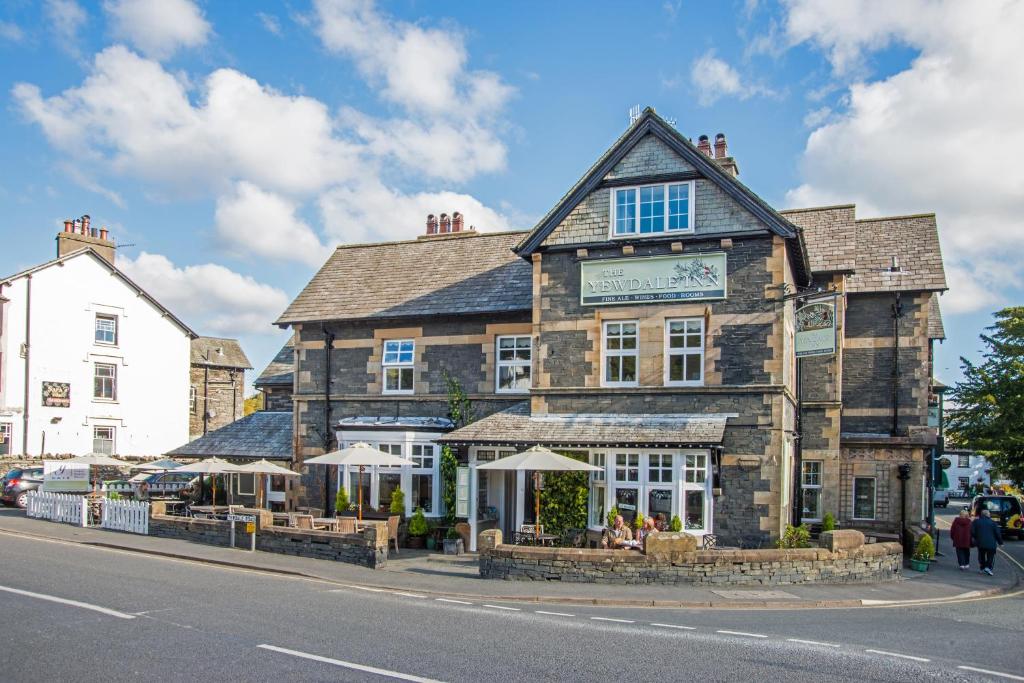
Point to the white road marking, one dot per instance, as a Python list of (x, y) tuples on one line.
[(992, 673), (72, 603), (349, 665), (554, 614), (682, 628), (617, 621), (812, 642), (743, 633), (457, 602), (510, 609), (897, 654), (412, 595), (360, 588)]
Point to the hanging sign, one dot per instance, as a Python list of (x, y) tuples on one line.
[(652, 280), (56, 394), (816, 329), (58, 475)]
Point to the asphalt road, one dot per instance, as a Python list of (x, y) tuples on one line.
[(148, 618)]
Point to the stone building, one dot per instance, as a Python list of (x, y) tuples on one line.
[(648, 324), (276, 380), (217, 384)]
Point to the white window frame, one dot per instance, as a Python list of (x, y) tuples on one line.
[(960, 461), (192, 399), (805, 487), (514, 363), (113, 438), (113, 382), (96, 328), (685, 351), (385, 366), (874, 500), (613, 208), (607, 353), (702, 486), (238, 484), (6, 430)]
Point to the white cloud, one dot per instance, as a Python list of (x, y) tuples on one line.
[(941, 135), (158, 27), (372, 211), (714, 78), (11, 32), (270, 22), (66, 17), (264, 224), (136, 119), (208, 297), (816, 117)]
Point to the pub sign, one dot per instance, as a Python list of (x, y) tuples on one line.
[(56, 394), (816, 329), (652, 280)]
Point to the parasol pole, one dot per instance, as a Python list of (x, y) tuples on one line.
[(536, 504), (360, 493)]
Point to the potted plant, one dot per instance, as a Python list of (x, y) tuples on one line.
[(612, 514), (923, 554), (453, 544), (341, 503), (418, 528), (397, 501), (828, 522), (676, 524), (431, 535)]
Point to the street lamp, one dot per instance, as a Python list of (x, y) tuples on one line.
[(904, 475)]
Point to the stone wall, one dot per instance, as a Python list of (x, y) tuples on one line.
[(857, 564), (368, 549), (220, 391)]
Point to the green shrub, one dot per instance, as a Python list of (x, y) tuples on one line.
[(676, 524), (612, 514), (341, 503), (795, 537), (449, 473), (828, 522), (925, 549), (397, 501), (638, 521), (452, 534), (114, 495), (418, 524)]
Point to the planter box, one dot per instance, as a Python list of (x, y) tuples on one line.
[(919, 565), (454, 546)]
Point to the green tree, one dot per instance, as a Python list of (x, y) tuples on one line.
[(989, 403), (253, 403)]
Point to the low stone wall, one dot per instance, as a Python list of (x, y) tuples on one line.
[(368, 549), (673, 559)]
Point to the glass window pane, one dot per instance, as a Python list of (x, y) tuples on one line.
[(693, 363), (506, 342), (625, 211), (629, 328), (660, 506), (595, 506), (675, 368), (629, 368), (694, 510), (406, 379), (864, 498), (626, 501), (613, 369), (353, 488), (812, 503), (387, 483)]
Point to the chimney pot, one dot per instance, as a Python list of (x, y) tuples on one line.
[(85, 224), (721, 149), (76, 225), (446, 223), (68, 225), (431, 224), (704, 146), (456, 222), (103, 233)]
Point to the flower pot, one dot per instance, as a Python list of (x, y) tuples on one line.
[(416, 542), (454, 546), (431, 543), (919, 565)]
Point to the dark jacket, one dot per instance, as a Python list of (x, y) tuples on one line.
[(960, 532), (986, 534)]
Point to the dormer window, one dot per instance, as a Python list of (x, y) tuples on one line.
[(652, 209)]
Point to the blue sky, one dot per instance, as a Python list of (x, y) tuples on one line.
[(233, 144)]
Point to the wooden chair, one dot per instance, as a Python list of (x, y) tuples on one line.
[(304, 522), (393, 522), (312, 512), (347, 525)]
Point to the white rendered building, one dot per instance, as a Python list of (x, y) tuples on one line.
[(107, 367)]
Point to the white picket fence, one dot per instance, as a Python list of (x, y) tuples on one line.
[(58, 507), (126, 515)]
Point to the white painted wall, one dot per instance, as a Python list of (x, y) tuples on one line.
[(150, 414), (976, 470)]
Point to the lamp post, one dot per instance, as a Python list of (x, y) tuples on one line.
[(904, 475)]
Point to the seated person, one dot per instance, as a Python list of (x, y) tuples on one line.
[(618, 536), (646, 530)]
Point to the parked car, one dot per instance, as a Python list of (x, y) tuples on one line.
[(1005, 511), (17, 483), (940, 498), (155, 484)]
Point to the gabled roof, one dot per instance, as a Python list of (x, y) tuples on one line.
[(219, 352), (650, 123), (279, 371), (455, 274), (829, 236), (936, 330), (88, 251), (263, 434)]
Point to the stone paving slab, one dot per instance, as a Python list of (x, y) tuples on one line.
[(436, 575)]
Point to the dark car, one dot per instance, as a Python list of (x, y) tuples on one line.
[(17, 483), (1005, 511)]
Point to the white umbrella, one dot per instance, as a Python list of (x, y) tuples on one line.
[(209, 466), (360, 455), (263, 467), (157, 466), (538, 459), (98, 460)]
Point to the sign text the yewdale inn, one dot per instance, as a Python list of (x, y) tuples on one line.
[(652, 280)]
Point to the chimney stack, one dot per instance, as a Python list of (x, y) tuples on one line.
[(79, 234), (431, 224), (456, 222), (69, 225), (446, 223), (704, 146), (721, 149), (722, 158)]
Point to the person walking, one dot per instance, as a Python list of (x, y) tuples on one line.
[(987, 537), (960, 534)]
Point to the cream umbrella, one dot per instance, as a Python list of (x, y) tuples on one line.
[(157, 465), (210, 466), (264, 467), (97, 460), (538, 459), (360, 455)]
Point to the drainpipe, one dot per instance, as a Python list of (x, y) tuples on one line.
[(233, 374), (798, 450), (28, 339), (206, 397), (897, 313), (328, 432)]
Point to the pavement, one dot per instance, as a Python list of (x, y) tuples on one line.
[(437, 575)]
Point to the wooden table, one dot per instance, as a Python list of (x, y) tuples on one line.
[(209, 510), (331, 523)]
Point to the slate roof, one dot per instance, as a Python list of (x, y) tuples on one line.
[(936, 330), (219, 352), (461, 273), (515, 425), (263, 434), (837, 242), (279, 371)]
